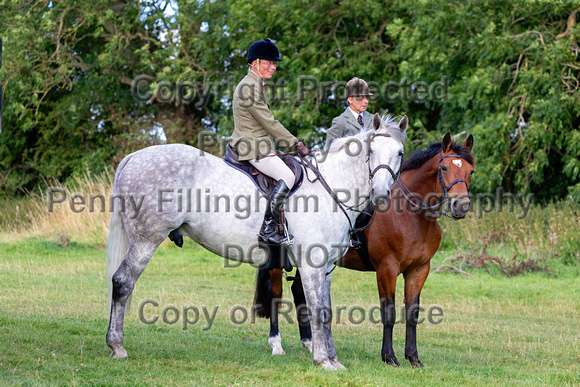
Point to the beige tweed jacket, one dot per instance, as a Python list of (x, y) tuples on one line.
[(256, 132)]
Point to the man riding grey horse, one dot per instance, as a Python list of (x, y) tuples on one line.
[(256, 132)]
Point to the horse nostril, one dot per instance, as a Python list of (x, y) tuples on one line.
[(382, 200), (461, 206)]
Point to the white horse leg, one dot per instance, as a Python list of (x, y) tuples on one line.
[(124, 280), (327, 327), (313, 283)]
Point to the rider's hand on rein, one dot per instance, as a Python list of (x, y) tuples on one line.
[(302, 148)]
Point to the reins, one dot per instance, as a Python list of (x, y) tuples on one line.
[(318, 177), (343, 207), (307, 164)]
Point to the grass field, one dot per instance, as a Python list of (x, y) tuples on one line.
[(495, 330)]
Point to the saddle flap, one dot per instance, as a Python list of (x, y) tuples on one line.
[(265, 184)]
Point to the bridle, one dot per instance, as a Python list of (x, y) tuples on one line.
[(383, 166), (444, 189), (318, 176)]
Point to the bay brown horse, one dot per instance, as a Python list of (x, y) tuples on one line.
[(402, 239)]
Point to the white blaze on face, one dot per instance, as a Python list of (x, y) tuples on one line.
[(458, 163)]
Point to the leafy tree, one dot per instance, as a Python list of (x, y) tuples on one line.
[(66, 75), (508, 72), (513, 84)]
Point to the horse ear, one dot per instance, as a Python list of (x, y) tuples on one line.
[(469, 143), (446, 143), (377, 121), (403, 123)]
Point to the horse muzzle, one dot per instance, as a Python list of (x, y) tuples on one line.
[(380, 199), (460, 206)]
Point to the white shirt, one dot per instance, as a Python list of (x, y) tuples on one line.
[(355, 114)]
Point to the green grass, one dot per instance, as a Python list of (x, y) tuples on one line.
[(495, 330)]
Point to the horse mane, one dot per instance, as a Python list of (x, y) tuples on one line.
[(418, 158), (387, 121)]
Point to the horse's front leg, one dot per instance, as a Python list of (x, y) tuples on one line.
[(327, 325), (319, 313), (414, 282), (387, 281)]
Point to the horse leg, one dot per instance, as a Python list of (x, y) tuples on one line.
[(414, 282), (275, 340), (327, 325), (134, 262), (301, 312), (313, 283), (387, 281)]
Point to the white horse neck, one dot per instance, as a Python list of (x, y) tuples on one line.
[(348, 171)]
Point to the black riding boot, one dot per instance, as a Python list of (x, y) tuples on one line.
[(272, 222)]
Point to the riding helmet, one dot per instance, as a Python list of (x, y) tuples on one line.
[(263, 49), (357, 87)]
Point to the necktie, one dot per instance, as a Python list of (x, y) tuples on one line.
[(360, 121)]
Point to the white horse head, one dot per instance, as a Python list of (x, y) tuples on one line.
[(383, 148), (386, 155)]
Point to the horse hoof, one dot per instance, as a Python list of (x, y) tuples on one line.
[(329, 365), (391, 360), (307, 345), (415, 362), (119, 353), (276, 344), (337, 365)]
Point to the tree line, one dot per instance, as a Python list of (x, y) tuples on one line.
[(86, 83)]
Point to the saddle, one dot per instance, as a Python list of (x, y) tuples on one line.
[(278, 256), (265, 184)]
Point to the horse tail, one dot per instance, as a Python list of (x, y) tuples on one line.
[(117, 242), (264, 295)]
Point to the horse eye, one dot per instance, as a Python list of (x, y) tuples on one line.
[(401, 153), (444, 168)]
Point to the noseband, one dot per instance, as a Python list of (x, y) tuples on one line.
[(318, 176), (444, 189), (383, 166)]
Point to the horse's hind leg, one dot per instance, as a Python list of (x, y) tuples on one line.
[(275, 340), (135, 261), (302, 312), (414, 282)]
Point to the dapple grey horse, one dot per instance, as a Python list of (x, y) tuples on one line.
[(165, 185)]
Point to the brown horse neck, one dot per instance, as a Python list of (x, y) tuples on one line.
[(423, 181)]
